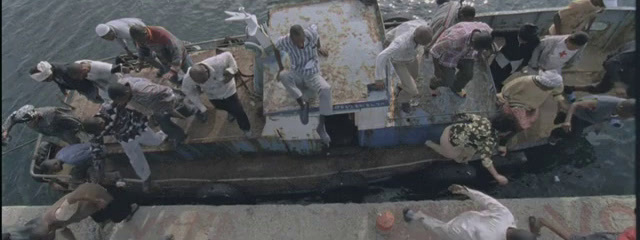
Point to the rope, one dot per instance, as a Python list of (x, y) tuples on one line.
[(19, 146)]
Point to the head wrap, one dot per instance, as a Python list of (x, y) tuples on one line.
[(44, 71), (102, 29), (26, 112), (549, 78)]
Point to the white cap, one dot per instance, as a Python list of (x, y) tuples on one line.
[(610, 3), (102, 29), (44, 71), (549, 78)]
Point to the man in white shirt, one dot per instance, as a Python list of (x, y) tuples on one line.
[(118, 30), (557, 52), (100, 73), (495, 222), (215, 77), (403, 52)]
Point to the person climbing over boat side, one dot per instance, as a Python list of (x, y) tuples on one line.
[(403, 55), (100, 73), (49, 121), (493, 222), (215, 76), (578, 16), (59, 74), (537, 223), (130, 128), (154, 100), (620, 67), (515, 53), (456, 48), (558, 52), (118, 30), (303, 47), (472, 134), (446, 15), (522, 96), (156, 41), (596, 110)]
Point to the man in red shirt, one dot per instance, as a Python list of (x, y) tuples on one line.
[(156, 41)]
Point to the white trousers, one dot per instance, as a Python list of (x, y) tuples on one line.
[(293, 82), (134, 152), (408, 74)]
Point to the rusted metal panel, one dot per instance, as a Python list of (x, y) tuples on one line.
[(352, 34)]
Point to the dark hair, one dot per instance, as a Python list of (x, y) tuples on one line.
[(93, 125), (438, 2), (529, 32), (503, 123), (579, 38), (74, 69), (467, 11), (138, 32), (45, 165), (117, 90), (296, 30), (483, 40)]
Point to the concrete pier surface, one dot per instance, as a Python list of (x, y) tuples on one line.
[(335, 221)]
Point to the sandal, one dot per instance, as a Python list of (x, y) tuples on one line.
[(534, 225)]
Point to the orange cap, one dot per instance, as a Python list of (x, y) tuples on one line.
[(385, 220)]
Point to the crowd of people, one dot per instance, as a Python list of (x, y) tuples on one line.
[(526, 71)]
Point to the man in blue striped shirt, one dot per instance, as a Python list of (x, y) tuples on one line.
[(303, 47)]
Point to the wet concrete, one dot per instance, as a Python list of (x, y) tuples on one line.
[(336, 221)]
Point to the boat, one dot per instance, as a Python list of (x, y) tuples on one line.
[(371, 139)]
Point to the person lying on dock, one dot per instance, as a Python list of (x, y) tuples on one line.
[(154, 100), (81, 203), (456, 48), (578, 16), (537, 223), (620, 67), (596, 110), (403, 53), (558, 52), (118, 30), (49, 121), (155, 41), (303, 47), (60, 74), (446, 15), (493, 222), (130, 128), (100, 73), (516, 52), (473, 134), (522, 97), (215, 76)]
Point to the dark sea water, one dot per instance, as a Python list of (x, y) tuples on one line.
[(63, 31)]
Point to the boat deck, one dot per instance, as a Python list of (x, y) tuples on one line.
[(217, 127)]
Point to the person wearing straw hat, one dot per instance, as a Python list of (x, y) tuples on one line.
[(118, 30), (215, 76), (61, 74)]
